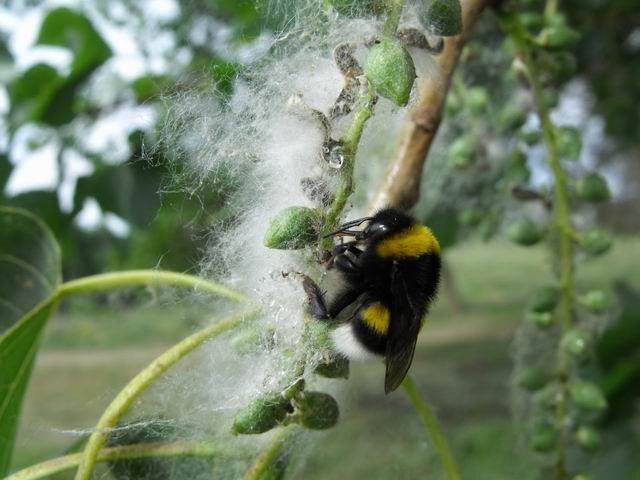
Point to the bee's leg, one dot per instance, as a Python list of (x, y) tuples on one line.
[(317, 305), (348, 266), (344, 298)]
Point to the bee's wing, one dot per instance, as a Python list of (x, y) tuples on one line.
[(403, 332)]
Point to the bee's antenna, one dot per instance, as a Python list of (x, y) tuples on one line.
[(344, 228)]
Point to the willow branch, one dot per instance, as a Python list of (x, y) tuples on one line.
[(401, 187)]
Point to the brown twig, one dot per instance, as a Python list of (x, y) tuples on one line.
[(401, 187)]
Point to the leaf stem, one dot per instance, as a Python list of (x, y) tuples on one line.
[(393, 17), (107, 281), (270, 454), (433, 428), (124, 452), (144, 379)]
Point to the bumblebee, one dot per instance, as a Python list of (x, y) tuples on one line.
[(391, 272)]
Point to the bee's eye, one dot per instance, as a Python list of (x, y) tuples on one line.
[(373, 230)]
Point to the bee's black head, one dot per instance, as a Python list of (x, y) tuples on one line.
[(384, 223)]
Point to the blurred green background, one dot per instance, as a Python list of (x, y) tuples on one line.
[(85, 89)]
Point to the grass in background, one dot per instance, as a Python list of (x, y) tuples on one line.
[(463, 364)]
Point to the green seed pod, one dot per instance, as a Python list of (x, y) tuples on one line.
[(596, 241), (293, 228), (598, 301), (543, 438), (532, 379), (588, 396), (510, 118), (337, 368), (548, 396), (557, 34), (261, 415), (442, 17), (588, 437), (544, 300), (524, 232), (577, 342), (593, 188), (391, 71), (542, 320), (462, 151), (569, 142), (477, 99), (318, 410)]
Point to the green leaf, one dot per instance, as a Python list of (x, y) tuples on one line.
[(32, 92), (41, 94), (64, 27), (442, 17), (29, 276)]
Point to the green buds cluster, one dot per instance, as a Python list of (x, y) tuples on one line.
[(293, 228), (524, 232), (442, 17), (390, 69), (312, 410), (462, 151)]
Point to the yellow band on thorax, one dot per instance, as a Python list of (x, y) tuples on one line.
[(414, 241)]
